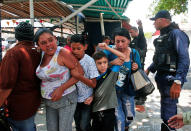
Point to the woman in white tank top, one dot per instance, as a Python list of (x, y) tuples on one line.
[(57, 86)]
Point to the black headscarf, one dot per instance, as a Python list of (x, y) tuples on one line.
[(24, 31)]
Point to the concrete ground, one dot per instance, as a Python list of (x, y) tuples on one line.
[(150, 119)]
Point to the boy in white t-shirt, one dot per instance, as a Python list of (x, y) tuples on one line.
[(85, 85)]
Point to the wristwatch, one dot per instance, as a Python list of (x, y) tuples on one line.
[(178, 82)]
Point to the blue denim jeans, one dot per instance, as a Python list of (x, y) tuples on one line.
[(24, 125), (59, 114), (82, 117), (125, 112)]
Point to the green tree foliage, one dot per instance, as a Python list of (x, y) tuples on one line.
[(176, 6)]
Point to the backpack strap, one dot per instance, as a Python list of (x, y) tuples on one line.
[(133, 56), (128, 77)]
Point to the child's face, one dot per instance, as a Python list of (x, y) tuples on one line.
[(78, 50), (102, 64)]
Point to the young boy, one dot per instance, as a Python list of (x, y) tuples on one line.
[(105, 99), (85, 85)]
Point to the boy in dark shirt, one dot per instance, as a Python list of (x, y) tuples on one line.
[(105, 99)]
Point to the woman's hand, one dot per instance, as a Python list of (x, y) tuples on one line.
[(134, 66), (57, 94), (89, 100)]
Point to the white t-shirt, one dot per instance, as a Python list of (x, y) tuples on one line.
[(90, 72)]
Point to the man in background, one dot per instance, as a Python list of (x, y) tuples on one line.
[(139, 43)]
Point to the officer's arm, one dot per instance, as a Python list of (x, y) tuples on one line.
[(181, 42)]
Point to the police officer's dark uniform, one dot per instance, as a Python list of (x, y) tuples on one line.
[(139, 43), (171, 61)]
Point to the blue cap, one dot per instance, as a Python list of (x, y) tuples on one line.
[(162, 14)]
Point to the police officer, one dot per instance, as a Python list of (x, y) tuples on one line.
[(171, 61), (139, 42)]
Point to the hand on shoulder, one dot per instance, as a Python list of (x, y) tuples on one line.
[(65, 56)]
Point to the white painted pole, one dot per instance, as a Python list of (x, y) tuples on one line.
[(76, 12), (32, 12), (102, 24)]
